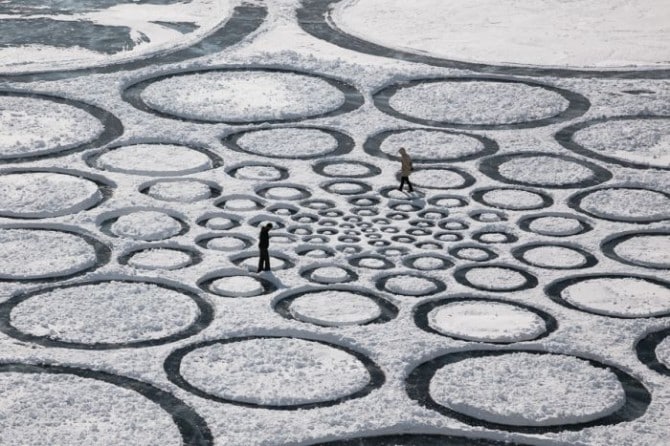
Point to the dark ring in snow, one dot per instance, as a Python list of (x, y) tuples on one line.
[(400, 205), (509, 238), (421, 312), (306, 273), (262, 191), (320, 168), (258, 220), (439, 286), (491, 255), (192, 427), (305, 218), (112, 127), (416, 197), (422, 222), (205, 283), (349, 249), (565, 137), (435, 199), (103, 253), (331, 213), (364, 188), (467, 179), (214, 189), (304, 250), (109, 218), (238, 259), (478, 195), (589, 259), (418, 381), (525, 222), (609, 245), (530, 280), (233, 170), (315, 18), (258, 203), (353, 99), (428, 245), (105, 187), (448, 236), (555, 288), (172, 368), (203, 240), (431, 214), (202, 321), (282, 303), (393, 251), (577, 104), (204, 219), (480, 216), (194, 255), (418, 232), (356, 261), (453, 225), (317, 204), (373, 144), (283, 209), (410, 261), (417, 440), (646, 351), (490, 167), (575, 202)]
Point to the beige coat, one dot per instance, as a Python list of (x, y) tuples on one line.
[(406, 165)]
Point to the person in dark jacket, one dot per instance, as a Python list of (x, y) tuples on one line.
[(263, 245), (405, 169)]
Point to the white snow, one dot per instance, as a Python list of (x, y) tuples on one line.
[(437, 178), (478, 102), (184, 191), (240, 204), (424, 144), (105, 312), (30, 126), (428, 263), (513, 199), (330, 274), (154, 160), (283, 193), (474, 254), (335, 308), (619, 296), (542, 170), (32, 254), (523, 389), (344, 187), (274, 371), (345, 169), (226, 243), (220, 223), (288, 142), (45, 194), (160, 258), (493, 237), (495, 278), (258, 173), (237, 286), (241, 96), (406, 285), (627, 203), (555, 226), (554, 257), (663, 351), (486, 321), (646, 250), (146, 225)]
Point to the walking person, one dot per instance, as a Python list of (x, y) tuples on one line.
[(405, 169), (263, 245)]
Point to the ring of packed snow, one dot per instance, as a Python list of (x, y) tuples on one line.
[(346, 187), (649, 249), (258, 172), (493, 236), (630, 204), (155, 159), (487, 216), (543, 169), (613, 295), (654, 351), (36, 125), (632, 141), (554, 224), (427, 262), (105, 314), (448, 201), (473, 253), (345, 168), (33, 253), (495, 277), (240, 203), (512, 198), (429, 145), (43, 194), (236, 284), (273, 372), (180, 190), (146, 225), (288, 192), (328, 274), (219, 221), (249, 260), (441, 178), (479, 103), (410, 284), (554, 256), (483, 320), (243, 95), (160, 257)]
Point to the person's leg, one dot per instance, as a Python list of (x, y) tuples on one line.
[(266, 260), (402, 182), (411, 189), (260, 262)]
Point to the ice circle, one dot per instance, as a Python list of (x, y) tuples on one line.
[(483, 320), (43, 194), (105, 314), (554, 225), (624, 204), (182, 191), (146, 225), (513, 199), (258, 172), (620, 296), (632, 141), (288, 192), (654, 350), (242, 96), (33, 125), (441, 178), (649, 249), (473, 253), (154, 159), (544, 170), (479, 103), (240, 203), (237, 286), (554, 256), (499, 278), (332, 307), (273, 372), (34, 253), (345, 168), (290, 142), (330, 274), (412, 285), (160, 258)]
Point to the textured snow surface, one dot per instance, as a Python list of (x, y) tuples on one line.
[(275, 371), (554, 257), (74, 411), (146, 225), (32, 254), (160, 258), (225, 243), (495, 278), (663, 351), (437, 178), (627, 203), (345, 169), (184, 191), (512, 199), (544, 170), (555, 226), (486, 322), (577, 33), (646, 250), (43, 194), (262, 173), (105, 312), (409, 285), (330, 274), (617, 296), (154, 159), (283, 193), (240, 96), (474, 254), (336, 308), (288, 142), (238, 286), (528, 390), (423, 144), (478, 102), (30, 126)]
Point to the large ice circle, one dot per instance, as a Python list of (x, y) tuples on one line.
[(240, 95), (273, 372), (105, 314), (290, 142), (492, 277), (553, 256), (513, 199), (649, 249), (624, 204), (413, 285), (42, 194), (37, 125), (146, 225), (621, 296), (34, 253)]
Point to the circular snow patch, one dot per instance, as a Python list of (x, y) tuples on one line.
[(220, 223), (160, 258), (554, 256), (477, 102), (441, 178), (183, 191), (346, 168), (284, 193), (556, 226), (626, 204), (154, 160), (107, 314), (237, 96), (286, 373), (259, 172), (33, 253), (495, 278), (486, 321), (46, 194), (226, 243), (430, 146), (617, 296), (473, 253), (237, 286), (288, 142), (526, 389), (513, 199), (241, 205), (411, 285), (34, 126), (146, 225), (335, 308), (650, 250), (330, 274)]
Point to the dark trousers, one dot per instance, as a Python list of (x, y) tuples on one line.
[(264, 260), (404, 180)]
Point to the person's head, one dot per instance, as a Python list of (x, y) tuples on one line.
[(402, 151), (268, 226)]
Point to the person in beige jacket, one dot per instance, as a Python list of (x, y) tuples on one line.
[(405, 169)]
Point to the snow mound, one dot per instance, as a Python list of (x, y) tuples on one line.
[(513, 199), (432, 145), (495, 278), (406, 285), (554, 257), (646, 250), (146, 225), (183, 191), (237, 286), (335, 308), (288, 142), (330, 274), (545, 171), (160, 258), (154, 160), (258, 173), (627, 204), (556, 226)]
